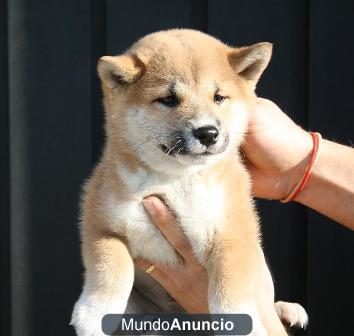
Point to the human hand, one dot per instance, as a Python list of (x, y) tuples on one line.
[(276, 149), (188, 283)]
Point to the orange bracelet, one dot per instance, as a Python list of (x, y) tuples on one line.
[(316, 138)]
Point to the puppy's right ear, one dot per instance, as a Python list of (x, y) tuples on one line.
[(250, 62), (119, 70)]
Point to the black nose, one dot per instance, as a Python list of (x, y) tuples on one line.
[(207, 135)]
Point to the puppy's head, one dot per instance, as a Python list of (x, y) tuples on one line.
[(178, 99)]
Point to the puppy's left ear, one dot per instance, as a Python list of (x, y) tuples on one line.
[(250, 62), (116, 71)]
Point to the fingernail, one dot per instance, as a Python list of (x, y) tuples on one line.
[(149, 206)]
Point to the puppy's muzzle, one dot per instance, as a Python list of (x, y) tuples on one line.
[(196, 141)]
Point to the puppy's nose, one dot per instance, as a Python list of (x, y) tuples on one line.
[(207, 135)]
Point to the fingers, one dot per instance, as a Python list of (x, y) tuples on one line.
[(162, 217)]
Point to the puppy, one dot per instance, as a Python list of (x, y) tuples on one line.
[(177, 107)]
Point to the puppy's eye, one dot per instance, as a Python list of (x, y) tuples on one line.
[(169, 101), (218, 99)]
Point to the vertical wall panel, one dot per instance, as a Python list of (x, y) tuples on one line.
[(331, 247), (50, 132), (5, 278), (283, 23), (98, 48), (124, 28)]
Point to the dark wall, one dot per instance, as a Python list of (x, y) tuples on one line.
[(51, 135)]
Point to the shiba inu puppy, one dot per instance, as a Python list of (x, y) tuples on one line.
[(177, 107)]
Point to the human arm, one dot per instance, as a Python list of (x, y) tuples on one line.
[(278, 151), (330, 189)]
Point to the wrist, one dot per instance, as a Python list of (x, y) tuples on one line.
[(299, 157), (301, 184), (316, 177)]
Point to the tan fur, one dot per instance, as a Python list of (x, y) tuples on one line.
[(196, 63)]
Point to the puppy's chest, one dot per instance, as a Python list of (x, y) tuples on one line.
[(199, 208)]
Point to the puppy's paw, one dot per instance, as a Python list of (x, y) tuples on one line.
[(88, 313), (86, 320), (291, 314)]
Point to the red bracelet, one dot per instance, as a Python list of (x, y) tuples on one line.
[(316, 138)]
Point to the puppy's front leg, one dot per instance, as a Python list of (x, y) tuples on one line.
[(109, 277), (232, 271)]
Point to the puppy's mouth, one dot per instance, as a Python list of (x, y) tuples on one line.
[(174, 151), (181, 148)]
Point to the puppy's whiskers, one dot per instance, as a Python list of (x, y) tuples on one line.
[(172, 148), (180, 149)]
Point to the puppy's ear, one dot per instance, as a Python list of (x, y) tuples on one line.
[(119, 70), (250, 62)]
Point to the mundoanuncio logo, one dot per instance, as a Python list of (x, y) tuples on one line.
[(177, 324)]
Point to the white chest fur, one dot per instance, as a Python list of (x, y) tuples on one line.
[(198, 206)]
